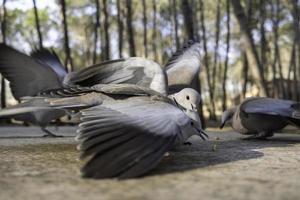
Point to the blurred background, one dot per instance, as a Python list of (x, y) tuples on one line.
[(250, 47)]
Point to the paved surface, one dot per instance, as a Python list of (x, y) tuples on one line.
[(225, 167)]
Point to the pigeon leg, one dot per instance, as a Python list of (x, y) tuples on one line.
[(260, 136), (49, 134)]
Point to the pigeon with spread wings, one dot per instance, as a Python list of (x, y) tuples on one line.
[(126, 129), (27, 77)]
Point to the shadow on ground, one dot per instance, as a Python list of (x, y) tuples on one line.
[(208, 153)]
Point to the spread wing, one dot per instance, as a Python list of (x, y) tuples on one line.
[(26, 75), (134, 70), (183, 67), (262, 105), (127, 138), (50, 59)]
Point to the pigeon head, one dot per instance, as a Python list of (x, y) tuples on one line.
[(188, 98), (195, 126), (227, 116)]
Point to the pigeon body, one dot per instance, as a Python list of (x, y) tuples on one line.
[(261, 116)]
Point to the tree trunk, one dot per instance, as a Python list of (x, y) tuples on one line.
[(188, 18), (245, 74), (224, 105), (37, 24), (154, 35), (120, 28), (296, 69), (96, 30), (263, 41), (145, 28), (106, 31), (257, 69), (130, 28), (3, 31), (175, 23), (216, 50), (277, 57), (206, 63), (68, 59)]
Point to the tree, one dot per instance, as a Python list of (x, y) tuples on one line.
[(188, 19), (130, 28), (206, 64), (145, 28), (277, 57), (175, 23), (96, 29), (257, 69), (68, 59), (224, 105), (216, 54), (106, 52), (3, 31), (37, 24), (120, 27), (154, 30)]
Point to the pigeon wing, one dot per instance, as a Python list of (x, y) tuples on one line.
[(134, 70), (270, 106), (183, 67), (50, 59), (127, 138), (26, 75)]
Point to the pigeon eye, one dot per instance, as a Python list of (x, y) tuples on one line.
[(192, 123), (188, 97)]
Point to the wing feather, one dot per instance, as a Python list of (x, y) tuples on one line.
[(129, 137), (25, 74)]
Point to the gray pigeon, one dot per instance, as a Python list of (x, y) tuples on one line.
[(21, 69), (28, 76), (261, 116), (126, 129)]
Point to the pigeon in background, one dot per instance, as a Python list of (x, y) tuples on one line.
[(261, 116), (28, 76)]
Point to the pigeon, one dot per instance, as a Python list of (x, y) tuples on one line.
[(262, 116), (27, 77), (126, 129)]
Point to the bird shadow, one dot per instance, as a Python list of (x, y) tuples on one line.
[(213, 152)]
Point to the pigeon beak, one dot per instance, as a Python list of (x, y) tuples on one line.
[(194, 108), (202, 134)]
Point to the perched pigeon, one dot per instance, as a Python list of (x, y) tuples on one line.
[(30, 76), (261, 116)]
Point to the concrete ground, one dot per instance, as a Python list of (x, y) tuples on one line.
[(225, 167)]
